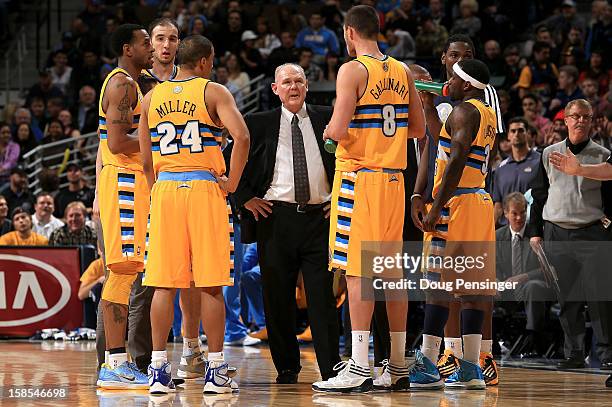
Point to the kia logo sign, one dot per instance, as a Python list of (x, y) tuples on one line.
[(29, 285)]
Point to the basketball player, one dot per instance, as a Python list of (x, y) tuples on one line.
[(458, 47), (377, 109), (164, 34), (180, 137), (122, 198), (461, 212)]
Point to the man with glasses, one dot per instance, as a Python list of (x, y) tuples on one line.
[(516, 172), (568, 214)]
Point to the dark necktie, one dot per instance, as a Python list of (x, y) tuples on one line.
[(517, 256), (300, 168)]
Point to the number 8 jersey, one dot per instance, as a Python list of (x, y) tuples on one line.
[(183, 135), (378, 132)]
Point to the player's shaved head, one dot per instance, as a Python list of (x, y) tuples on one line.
[(419, 73), (192, 49)]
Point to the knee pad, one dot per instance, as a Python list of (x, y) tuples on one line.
[(118, 287)]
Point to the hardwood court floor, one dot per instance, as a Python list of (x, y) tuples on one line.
[(54, 364)]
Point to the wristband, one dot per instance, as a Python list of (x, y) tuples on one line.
[(414, 196)]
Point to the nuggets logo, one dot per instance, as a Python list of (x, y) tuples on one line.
[(490, 132), (177, 89), (385, 67)]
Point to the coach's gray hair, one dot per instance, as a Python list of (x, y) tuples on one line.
[(293, 65), (583, 103), (516, 197)]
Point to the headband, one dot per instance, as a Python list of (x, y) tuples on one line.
[(467, 77)]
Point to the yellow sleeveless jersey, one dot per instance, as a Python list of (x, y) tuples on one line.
[(131, 161), (378, 131), (183, 136), (477, 164)]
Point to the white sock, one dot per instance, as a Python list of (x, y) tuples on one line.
[(471, 347), (455, 345), (361, 344), (431, 347), (191, 346), (106, 355), (117, 359), (486, 345), (158, 358), (216, 357), (398, 348)]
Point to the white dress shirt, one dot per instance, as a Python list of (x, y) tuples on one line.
[(520, 233), (47, 228), (282, 188)]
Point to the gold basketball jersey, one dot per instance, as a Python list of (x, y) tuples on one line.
[(131, 161), (378, 131), (183, 135), (477, 164)]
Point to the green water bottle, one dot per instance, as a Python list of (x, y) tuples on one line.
[(440, 89), (330, 146)]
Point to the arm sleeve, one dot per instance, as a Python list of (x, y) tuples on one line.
[(539, 192)]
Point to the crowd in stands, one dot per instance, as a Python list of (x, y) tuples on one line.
[(541, 55)]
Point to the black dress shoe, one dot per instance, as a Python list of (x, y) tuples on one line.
[(287, 377), (606, 364), (609, 381), (571, 363)]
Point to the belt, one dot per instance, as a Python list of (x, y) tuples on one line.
[(201, 175), (463, 191), (300, 208), (385, 170)]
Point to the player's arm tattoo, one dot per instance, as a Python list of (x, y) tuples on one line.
[(124, 105)]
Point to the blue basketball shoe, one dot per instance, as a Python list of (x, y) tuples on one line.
[(160, 380), (468, 376), (124, 376), (424, 374), (217, 379)]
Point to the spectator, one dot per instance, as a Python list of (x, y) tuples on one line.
[(512, 70), (436, 11), (505, 105), (5, 224), (540, 75), (568, 88), (86, 111), (92, 280), (39, 117), (236, 76), (332, 65), (516, 262), (54, 107), (54, 155), (87, 74), (222, 77), (16, 192), (560, 24), (284, 54), (76, 191), (572, 56), (23, 234), (492, 58), (9, 152), (401, 45), (575, 44), (106, 52), (333, 16), (65, 117), (431, 38), (318, 38), (24, 136), (68, 46), (566, 214), (44, 89), (602, 129), (600, 34), (543, 34), (312, 71), (291, 21), (75, 232), (532, 112), (516, 172), (250, 58), (469, 23), (43, 221), (228, 38), (597, 71), (590, 90), (48, 180), (197, 25), (23, 115), (60, 71), (266, 40), (404, 17)]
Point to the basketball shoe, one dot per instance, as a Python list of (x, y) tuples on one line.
[(392, 378), (447, 364), (160, 379), (424, 375), (467, 376), (489, 369), (217, 379), (351, 378), (124, 376), (194, 367)]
